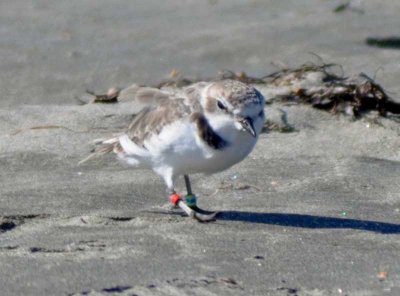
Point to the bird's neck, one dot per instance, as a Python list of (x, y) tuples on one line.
[(211, 133)]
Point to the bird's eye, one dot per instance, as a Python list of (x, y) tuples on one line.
[(221, 105), (261, 113)]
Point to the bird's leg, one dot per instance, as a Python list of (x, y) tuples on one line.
[(191, 200), (176, 200), (170, 193)]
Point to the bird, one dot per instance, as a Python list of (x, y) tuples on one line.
[(206, 127)]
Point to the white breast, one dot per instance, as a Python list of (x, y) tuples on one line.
[(179, 146)]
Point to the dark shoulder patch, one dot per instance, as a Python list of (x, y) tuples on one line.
[(207, 133)]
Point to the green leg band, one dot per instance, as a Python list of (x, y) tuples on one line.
[(190, 200)]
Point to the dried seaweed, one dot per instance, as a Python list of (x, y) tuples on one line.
[(315, 84), (288, 76), (318, 86), (347, 6), (240, 76), (42, 127), (392, 42), (176, 79), (110, 97), (342, 7), (273, 126), (281, 126)]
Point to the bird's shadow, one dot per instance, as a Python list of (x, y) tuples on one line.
[(309, 221)]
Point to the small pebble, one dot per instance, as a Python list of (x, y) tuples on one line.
[(382, 275), (234, 177), (387, 289), (113, 92)]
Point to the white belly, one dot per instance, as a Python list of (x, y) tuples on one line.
[(188, 154), (179, 147)]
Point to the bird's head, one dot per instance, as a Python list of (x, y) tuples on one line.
[(235, 101)]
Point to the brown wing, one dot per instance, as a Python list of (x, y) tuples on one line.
[(147, 96), (151, 96), (170, 106), (162, 107), (151, 120)]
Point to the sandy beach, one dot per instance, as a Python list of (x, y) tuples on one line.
[(312, 211)]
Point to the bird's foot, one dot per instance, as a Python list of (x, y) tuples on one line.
[(193, 211), (191, 202), (204, 218)]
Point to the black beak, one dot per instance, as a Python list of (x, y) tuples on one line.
[(247, 124)]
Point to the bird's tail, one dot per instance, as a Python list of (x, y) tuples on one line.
[(103, 147)]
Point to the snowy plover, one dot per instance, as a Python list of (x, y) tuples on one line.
[(204, 128)]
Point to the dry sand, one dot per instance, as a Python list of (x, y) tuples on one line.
[(311, 212)]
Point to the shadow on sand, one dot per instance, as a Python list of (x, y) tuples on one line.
[(308, 221)]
